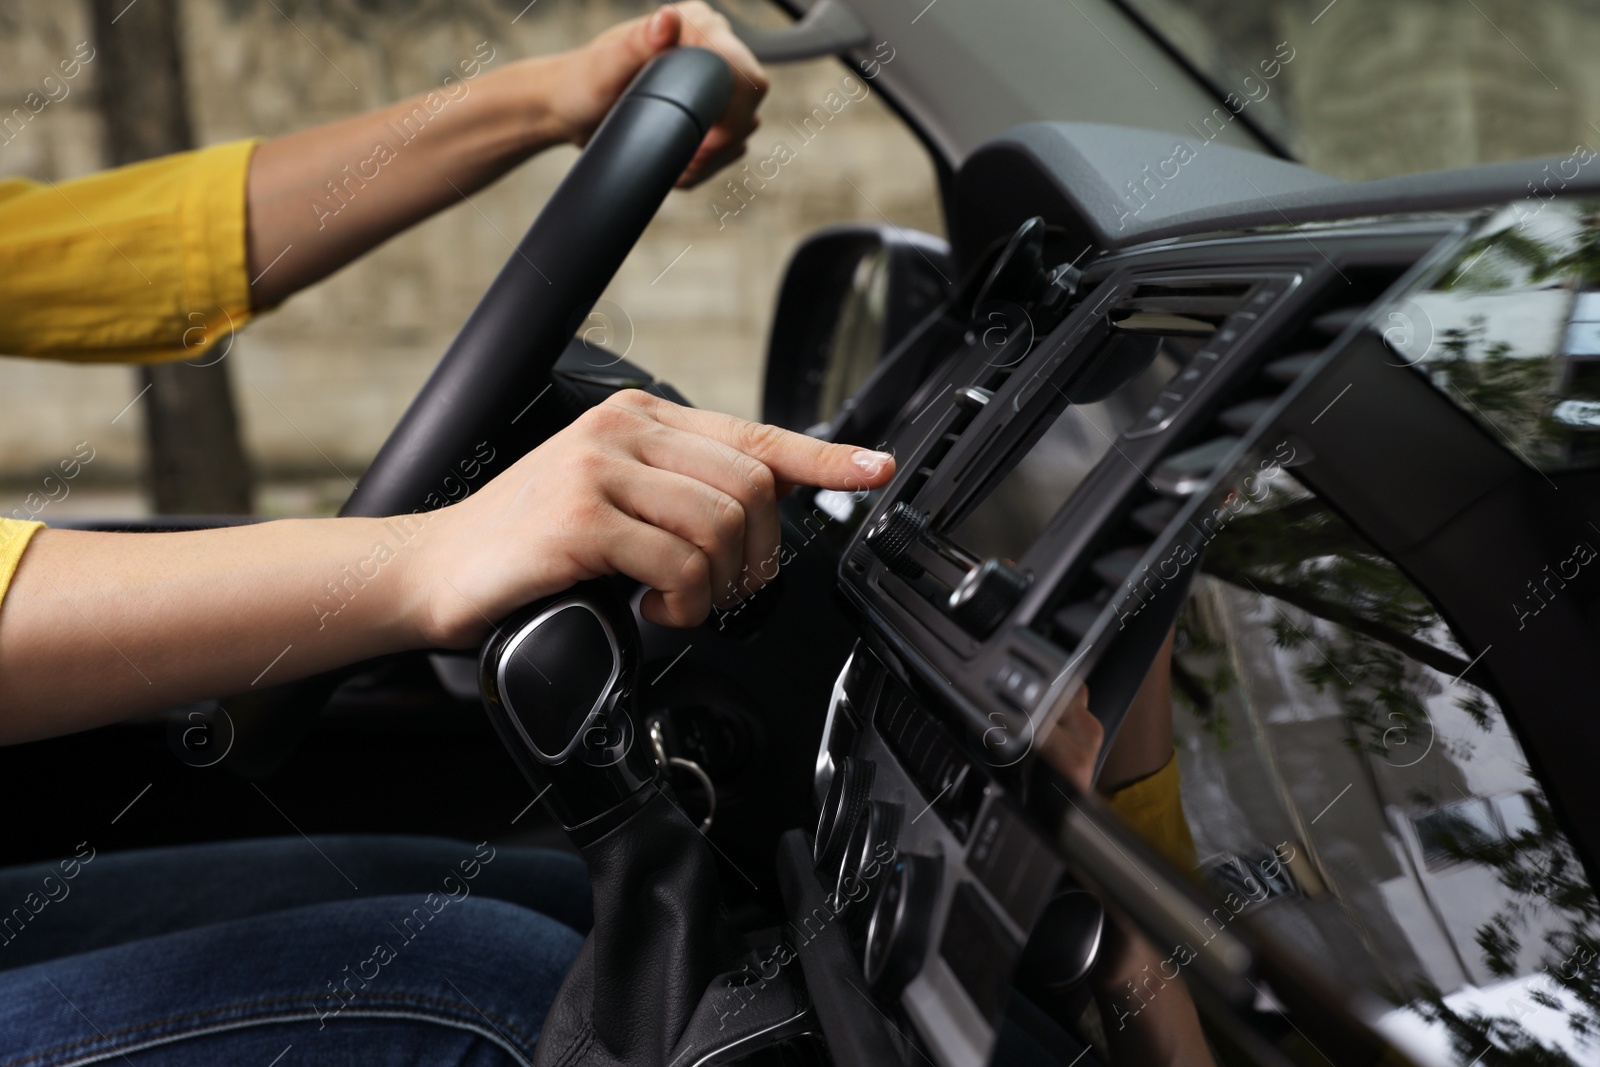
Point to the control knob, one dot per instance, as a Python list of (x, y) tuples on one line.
[(982, 599), (866, 858), (897, 932), (847, 795), (894, 535)]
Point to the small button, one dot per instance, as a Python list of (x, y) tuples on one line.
[(1161, 413), (1234, 328), (1018, 686), (1149, 422), (972, 398), (1264, 297)]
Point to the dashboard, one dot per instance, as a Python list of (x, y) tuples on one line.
[(1254, 452)]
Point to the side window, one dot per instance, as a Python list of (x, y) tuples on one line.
[(1363, 800)]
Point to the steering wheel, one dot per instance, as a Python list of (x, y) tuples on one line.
[(484, 389), (497, 367)]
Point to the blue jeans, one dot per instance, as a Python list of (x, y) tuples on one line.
[(287, 953)]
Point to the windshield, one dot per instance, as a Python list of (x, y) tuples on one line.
[(1372, 88)]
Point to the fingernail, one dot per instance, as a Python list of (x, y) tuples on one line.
[(870, 463)]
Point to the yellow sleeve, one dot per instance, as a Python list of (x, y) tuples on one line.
[(14, 537), (143, 263), (1153, 808)]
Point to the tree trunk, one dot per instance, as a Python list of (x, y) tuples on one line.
[(196, 463)]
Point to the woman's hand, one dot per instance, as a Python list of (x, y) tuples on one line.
[(683, 500), (320, 197), (590, 79), (100, 626), (1073, 746)]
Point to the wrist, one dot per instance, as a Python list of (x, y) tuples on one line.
[(364, 580), (516, 109), (528, 91), (435, 608)]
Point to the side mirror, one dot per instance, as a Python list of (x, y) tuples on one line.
[(850, 294)]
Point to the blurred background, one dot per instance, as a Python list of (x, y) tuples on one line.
[(1373, 88), (1383, 87), (318, 383)]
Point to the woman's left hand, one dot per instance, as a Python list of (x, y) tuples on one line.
[(592, 77)]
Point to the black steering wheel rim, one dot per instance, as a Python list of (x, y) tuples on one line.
[(484, 388)]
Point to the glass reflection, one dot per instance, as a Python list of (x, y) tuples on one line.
[(1510, 332), (1324, 715)]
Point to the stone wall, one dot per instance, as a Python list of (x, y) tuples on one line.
[(1376, 87), (322, 379), (1381, 87)]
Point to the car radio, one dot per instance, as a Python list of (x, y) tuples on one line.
[(1008, 471)]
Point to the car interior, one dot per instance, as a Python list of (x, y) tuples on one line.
[(1321, 454)]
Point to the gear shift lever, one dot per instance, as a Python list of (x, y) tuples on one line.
[(557, 679)]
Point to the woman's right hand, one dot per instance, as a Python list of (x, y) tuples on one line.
[(99, 626), (682, 500)]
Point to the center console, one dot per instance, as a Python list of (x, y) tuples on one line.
[(1053, 487)]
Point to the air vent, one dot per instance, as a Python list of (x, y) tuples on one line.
[(1154, 516), (1193, 459), (1193, 293), (1284, 371), (966, 403), (1186, 473), (1183, 308), (1241, 417), (1162, 323)]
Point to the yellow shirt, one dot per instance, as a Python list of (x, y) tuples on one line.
[(1153, 807), (141, 264)]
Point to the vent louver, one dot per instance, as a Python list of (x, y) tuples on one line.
[(1193, 458)]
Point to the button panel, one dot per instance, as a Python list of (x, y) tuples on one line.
[(1018, 685)]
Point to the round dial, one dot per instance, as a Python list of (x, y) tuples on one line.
[(867, 856), (847, 795), (897, 932)]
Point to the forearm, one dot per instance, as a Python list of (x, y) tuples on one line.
[(321, 197), (1148, 1014), (96, 627), (1144, 743)]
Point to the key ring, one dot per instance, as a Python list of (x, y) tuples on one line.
[(658, 742)]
